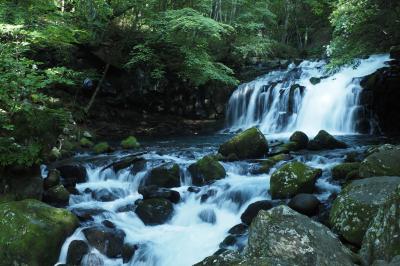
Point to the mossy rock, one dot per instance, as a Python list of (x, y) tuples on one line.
[(266, 165), (205, 170), (285, 148), (32, 232), (57, 195), (250, 144), (102, 147), (86, 143), (300, 138), (154, 211), (315, 80), (324, 140), (382, 163), (341, 171), (382, 239), (357, 204), (167, 175), (130, 143), (293, 178)]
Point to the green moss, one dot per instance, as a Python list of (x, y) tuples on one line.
[(205, 170), (250, 144), (164, 176), (130, 143), (385, 162), (101, 147), (342, 170), (86, 143), (267, 164), (32, 233), (293, 178)]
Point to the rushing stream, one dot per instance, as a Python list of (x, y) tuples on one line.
[(186, 238)]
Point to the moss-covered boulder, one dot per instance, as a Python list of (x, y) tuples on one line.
[(382, 163), (206, 170), (154, 211), (382, 240), (284, 237), (285, 148), (357, 204), (52, 179), (32, 232), (86, 143), (325, 141), (57, 195), (293, 178), (342, 171), (130, 143), (167, 175), (266, 165), (250, 144), (300, 138), (102, 147)]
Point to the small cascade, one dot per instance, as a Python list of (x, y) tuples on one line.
[(302, 98)]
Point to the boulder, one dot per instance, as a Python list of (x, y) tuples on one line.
[(85, 215), (325, 141), (107, 195), (154, 211), (102, 147), (71, 174), (128, 251), (250, 144), (85, 143), (266, 165), (306, 204), (300, 138), (76, 250), (285, 148), (252, 210), (357, 204), (315, 80), (342, 171), (206, 170), (382, 239), (52, 179), (106, 240), (208, 216), (167, 175), (153, 192), (284, 237), (32, 232), (58, 196), (239, 229), (395, 52), (292, 179), (130, 143), (381, 163)]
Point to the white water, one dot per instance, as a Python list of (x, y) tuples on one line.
[(328, 105)]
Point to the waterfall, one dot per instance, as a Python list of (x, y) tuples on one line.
[(302, 98)]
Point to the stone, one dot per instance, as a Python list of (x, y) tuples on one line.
[(381, 163), (292, 179), (102, 147), (32, 232), (250, 144), (357, 204), (106, 240), (166, 175), (76, 251), (130, 143), (324, 140), (128, 251), (154, 211), (252, 210), (266, 165), (300, 138), (206, 170), (395, 52), (306, 204), (341, 171), (52, 179), (58, 196), (153, 192), (71, 174), (107, 195)]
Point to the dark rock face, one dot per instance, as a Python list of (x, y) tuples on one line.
[(108, 241), (167, 175), (154, 211), (76, 250), (153, 192), (72, 174), (324, 140), (306, 204), (52, 179), (379, 97), (251, 212), (300, 138), (57, 195)]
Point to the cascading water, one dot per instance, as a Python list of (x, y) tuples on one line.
[(285, 101)]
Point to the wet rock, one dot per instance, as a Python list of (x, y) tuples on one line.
[(382, 239), (76, 251), (152, 192), (107, 195), (306, 204), (315, 80), (228, 242), (128, 251), (239, 229), (250, 144), (341, 171), (58, 196), (357, 204), (127, 208), (324, 140), (108, 224), (300, 138), (208, 216), (292, 179), (167, 175), (154, 211), (395, 52), (381, 163), (194, 189), (252, 210), (106, 240), (86, 214), (353, 157), (266, 165), (92, 260), (32, 232), (72, 174), (206, 170), (52, 179), (285, 148), (209, 194)]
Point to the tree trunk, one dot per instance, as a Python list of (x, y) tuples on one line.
[(87, 109)]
